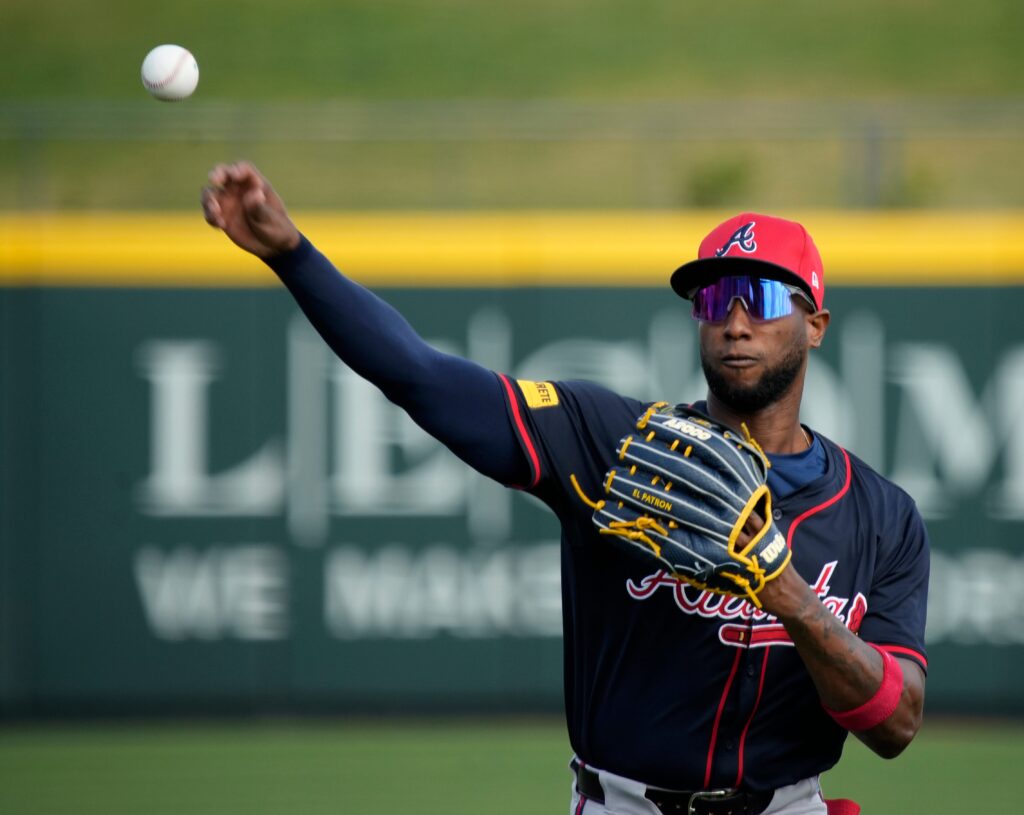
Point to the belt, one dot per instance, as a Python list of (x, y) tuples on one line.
[(673, 802)]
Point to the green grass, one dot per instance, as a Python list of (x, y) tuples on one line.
[(259, 49), (449, 768), (802, 55)]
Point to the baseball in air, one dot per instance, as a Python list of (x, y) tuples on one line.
[(170, 73)]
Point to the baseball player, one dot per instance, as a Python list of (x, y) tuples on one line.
[(680, 696)]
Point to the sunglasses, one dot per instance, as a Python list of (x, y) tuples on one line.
[(763, 299)]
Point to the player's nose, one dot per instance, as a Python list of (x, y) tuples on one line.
[(737, 321)]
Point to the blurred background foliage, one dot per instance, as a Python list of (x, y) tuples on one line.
[(570, 104)]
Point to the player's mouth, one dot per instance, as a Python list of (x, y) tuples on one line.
[(739, 361)]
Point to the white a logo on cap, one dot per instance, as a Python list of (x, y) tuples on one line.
[(814, 280), (743, 238)]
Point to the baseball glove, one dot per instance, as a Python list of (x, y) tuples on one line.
[(685, 496)]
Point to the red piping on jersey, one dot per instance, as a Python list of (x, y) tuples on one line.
[(581, 804), (825, 505), (746, 727), (718, 717), (764, 663), (899, 650), (893, 649), (531, 451)]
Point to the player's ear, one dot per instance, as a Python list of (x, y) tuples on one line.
[(817, 324)]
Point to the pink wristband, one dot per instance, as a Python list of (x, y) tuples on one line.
[(880, 706)]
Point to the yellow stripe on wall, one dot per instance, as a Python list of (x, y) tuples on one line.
[(484, 249)]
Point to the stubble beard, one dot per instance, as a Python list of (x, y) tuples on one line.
[(772, 386)]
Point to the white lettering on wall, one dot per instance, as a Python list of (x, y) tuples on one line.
[(350, 452), (949, 440), (218, 593), (976, 597), (395, 592), (384, 464), (179, 483)]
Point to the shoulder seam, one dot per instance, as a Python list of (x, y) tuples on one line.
[(522, 432)]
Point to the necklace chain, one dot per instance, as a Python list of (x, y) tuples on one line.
[(807, 437)]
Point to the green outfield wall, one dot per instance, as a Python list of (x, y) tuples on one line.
[(202, 510)]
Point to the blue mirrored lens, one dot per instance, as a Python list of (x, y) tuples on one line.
[(764, 299)]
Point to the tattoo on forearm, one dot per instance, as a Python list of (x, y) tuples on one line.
[(846, 662)]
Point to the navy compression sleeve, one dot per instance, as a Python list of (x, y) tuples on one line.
[(457, 401)]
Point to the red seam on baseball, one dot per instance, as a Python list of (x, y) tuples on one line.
[(182, 58)]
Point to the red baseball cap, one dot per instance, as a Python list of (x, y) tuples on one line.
[(754, 244)]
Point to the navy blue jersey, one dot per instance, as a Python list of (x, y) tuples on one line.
[(664, 683), (685, 689)]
